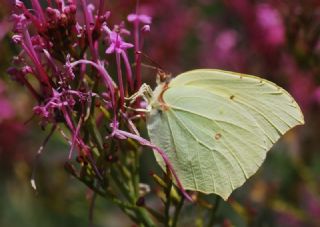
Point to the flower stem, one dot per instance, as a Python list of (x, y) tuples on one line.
[(137, 56), (89, 30), (91, 208), (213, 212), (120, 81), (177, 212), (168, 199)]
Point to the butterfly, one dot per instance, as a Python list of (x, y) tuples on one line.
[(216, 127)]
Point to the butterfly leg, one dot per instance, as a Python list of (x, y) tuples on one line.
[(138, 109), (144, 92)]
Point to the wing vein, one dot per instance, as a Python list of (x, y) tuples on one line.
[(228, 91), (206, 146), (226, 145), (215, 120), (190, 163)]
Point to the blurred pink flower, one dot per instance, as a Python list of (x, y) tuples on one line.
[(139, 17), (264, 25), (316, 95), (242, 7), (220, 51), (227, 40), (301, 83), (310, 202), (5, 26), (6, 110), (271, 24), (288, 219)]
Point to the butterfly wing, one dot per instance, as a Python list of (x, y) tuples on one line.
[(218, 126)]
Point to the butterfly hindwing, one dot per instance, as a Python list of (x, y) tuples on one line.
[(218, 126)]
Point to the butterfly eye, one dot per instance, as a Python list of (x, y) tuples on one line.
[(163, 77)]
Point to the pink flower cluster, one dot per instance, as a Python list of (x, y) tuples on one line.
[(62, 54), (58, 50)]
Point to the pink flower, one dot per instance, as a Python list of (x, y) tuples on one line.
[(139, 18), (270, 21), (145, 28), (68, 69), (42, 112), (116, 42), (20, 22), (6, 110), (19, 3), (17, 39)]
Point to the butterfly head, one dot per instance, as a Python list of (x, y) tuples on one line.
[(163, 77)]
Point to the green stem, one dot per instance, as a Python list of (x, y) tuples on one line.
[(96, 136), (144, 216), (126, 180), (91, 208), (109, 196), (168, 202), (135, 172), (177, 212), (141, 215), (122, 186)]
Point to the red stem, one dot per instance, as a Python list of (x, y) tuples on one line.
[(137, 56), (36, 5), (120, 81), (27, 45), (89, 30), (128, 69)]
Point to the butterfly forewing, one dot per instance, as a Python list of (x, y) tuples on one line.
[(273, 107)]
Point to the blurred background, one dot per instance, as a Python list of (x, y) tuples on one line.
[(277, 39)]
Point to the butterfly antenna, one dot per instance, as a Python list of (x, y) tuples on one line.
[(163, 75), (157, 66)]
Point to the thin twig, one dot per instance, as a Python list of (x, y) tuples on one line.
[(91, 209), (213, 212), (177, 212), (33, 184), (168, 198)]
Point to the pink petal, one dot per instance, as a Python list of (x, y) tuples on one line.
[(132, 17), (145, 19), (110, 49)]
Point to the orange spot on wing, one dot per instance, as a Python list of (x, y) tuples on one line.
[(217, 136)]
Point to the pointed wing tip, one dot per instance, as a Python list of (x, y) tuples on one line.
[(301, 119), (224, 196), (302, 122)]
